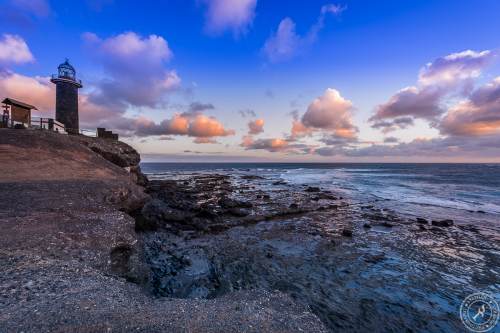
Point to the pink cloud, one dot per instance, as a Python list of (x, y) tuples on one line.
[(479, 115), (38, 91), (271, 145), (256, 126), (233, 15), (135, 69), (14, 50), (437, 80), (329, 112)]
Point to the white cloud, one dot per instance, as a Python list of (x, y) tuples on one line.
[(14, 50), (285, 43), (233, 15)]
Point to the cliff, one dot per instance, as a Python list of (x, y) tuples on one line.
[(71, 260)]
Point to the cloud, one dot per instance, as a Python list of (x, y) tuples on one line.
[(14, 50), (134, 67), (203, 128), (229, 15), (485, 146), (285, 43), (445, 76), (411, 101), (256, 126), (478, 115), (299, 129), (206, 127), (271, 145), (330, 112), (391, 139), (199, 107), (39, 8), (455, 68), (247, 113), (38, 91), (204, 140), (390, 125)]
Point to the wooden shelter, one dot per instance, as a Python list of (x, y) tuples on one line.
[(16, 112)]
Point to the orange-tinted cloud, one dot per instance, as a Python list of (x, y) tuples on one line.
[(38, 91), (256, 126), (331, 113), (477, 116), (451, 74)]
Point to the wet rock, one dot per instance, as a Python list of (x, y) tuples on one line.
[(347, 232), (239, 212), (367, 225), (294, 206), (156, 213), (231, 203), (279, 182), (442, 223), (312, 189), (422, 220)]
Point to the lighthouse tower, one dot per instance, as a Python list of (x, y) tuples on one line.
[(67, 96)]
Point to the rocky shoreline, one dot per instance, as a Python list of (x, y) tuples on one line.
[(71, 259), (354, 264), (90, 245)]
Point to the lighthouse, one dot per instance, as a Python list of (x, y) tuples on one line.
[(67, 86)]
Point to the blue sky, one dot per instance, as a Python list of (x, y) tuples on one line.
[(275, 59)]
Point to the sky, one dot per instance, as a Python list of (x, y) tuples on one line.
[(268, 80)]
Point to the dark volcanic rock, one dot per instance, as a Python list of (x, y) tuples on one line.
[(442, 223), (422, 220), (312, 189), (231, 203), (347, 232), (240, 212)]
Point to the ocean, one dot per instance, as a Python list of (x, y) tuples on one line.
[(464, 192)]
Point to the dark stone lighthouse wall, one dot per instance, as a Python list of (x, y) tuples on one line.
[(67, 106)]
